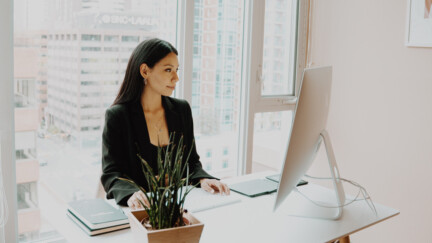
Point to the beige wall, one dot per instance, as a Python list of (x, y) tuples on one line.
[(380, 121)]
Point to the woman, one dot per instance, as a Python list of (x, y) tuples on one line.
[(142, 117)]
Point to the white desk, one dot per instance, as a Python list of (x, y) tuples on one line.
[(252, 220)]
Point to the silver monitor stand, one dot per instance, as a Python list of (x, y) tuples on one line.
[(297, 205)]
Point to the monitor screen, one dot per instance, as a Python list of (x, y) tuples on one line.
[(309, 121)]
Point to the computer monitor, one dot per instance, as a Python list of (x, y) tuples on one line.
[(308, 130)]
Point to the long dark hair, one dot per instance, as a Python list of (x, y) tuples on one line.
[(150, 52)]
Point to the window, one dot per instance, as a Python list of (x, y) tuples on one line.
[(90, 37), (60, 139), (271, 133), (225, 164), (130, 38), (225, 151), (278, 48), (111, 38), (27, 196), (111, 49), (276, 88), (90, 48), (208, 166), (218, 125), (209, 153), (74, 76)]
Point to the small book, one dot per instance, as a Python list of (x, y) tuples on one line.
[(97, 213), (97, 231)]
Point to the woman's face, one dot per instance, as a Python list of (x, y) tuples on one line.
[(162, 78)]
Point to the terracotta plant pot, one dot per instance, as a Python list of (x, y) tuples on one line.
[(189, 233)]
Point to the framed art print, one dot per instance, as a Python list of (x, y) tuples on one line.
[(419, 27)]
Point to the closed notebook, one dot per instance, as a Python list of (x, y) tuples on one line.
[(97, 231), (97, 213)]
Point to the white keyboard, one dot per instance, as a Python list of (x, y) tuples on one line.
[(199, 200)]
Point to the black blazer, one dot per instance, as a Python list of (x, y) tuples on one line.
[(125, 135)]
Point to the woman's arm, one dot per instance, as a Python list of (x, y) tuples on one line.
[(114, 154)]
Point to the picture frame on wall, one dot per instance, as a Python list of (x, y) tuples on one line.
[(419, 26)]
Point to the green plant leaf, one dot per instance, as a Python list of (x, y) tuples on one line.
[(166, 190)]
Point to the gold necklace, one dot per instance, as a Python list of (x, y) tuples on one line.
[(158, 125)]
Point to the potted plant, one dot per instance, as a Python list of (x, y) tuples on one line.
[(165, 219)]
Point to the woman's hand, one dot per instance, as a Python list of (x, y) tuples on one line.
[(134, 201), (214, 186)]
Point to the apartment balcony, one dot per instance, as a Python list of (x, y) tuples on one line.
[(27, 170), (27, 167), (26, 119), (29, 215), (25, 140), (29, 220)]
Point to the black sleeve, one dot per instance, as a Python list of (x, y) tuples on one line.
[(195, 167), (114, 155)]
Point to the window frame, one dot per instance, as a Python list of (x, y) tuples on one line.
[(7, 128), (252, 101)]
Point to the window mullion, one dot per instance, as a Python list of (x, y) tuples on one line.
[(7, 144), (185, 31), (302, 8), (275, 104), (253, 43), (255, 102), (298, 46)]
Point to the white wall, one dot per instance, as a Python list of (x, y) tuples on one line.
[(380, 120)]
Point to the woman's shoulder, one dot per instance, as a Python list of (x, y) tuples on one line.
[(117, 108), (117, 111), (176, 103)]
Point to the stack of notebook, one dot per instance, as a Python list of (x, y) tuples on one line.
[(97, 216)]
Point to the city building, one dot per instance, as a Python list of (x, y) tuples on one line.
[(277, 60), (217, 65), (26, 125), (86, 66)]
